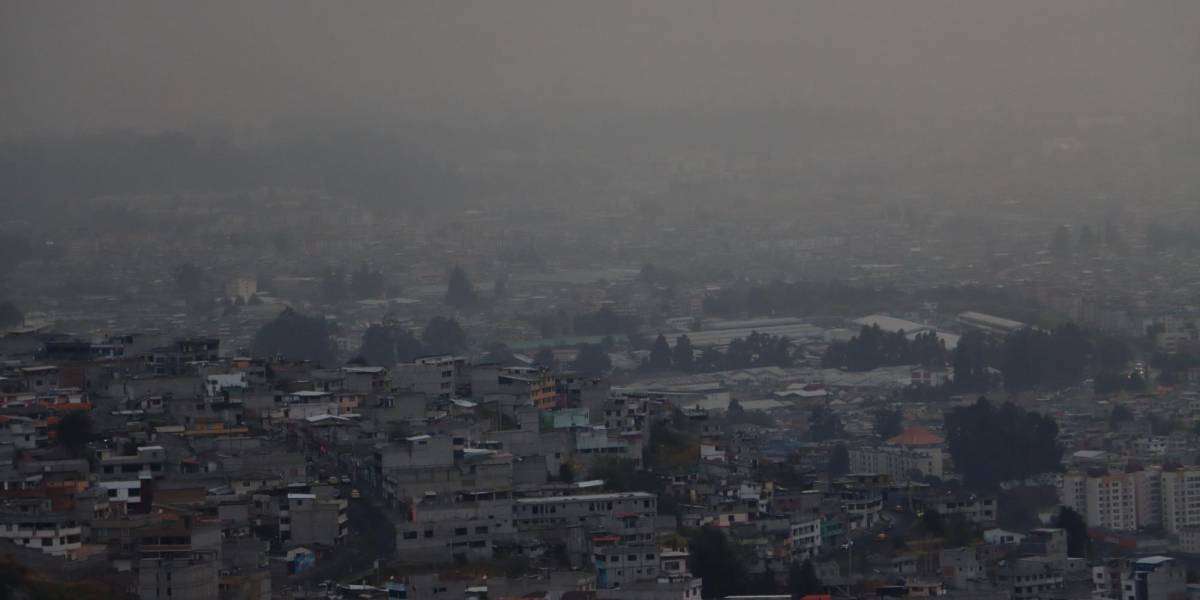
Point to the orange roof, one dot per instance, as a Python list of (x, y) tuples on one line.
[(916, 436)]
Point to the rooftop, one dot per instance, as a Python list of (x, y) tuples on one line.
[(916, 436)]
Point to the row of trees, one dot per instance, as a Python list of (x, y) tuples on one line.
[(296, 336), (1026, 359), (873, 348), (590, 359), (389, 343), (755, 350)]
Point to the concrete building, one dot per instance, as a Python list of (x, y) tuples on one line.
[(443, 531), (915, 451), (179, 559), (1180, 498), (311, 519), (1154, 578), (29, 522), (1107, 500)]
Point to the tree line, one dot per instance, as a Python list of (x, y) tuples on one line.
[(755, 350), (386, 344), (873, 348)]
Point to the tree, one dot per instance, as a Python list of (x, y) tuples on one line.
[(823, 424), (366, 282), (190, 280), (443, 336), (604, 322), (566, 472), (839, 461), (388, 344), (714, 560), (765, 583), (1078, 543), (683, 356), (1087, 240), (888, 423), (500, 287), (933, 522), (460, 292), (499, 353), (1114, 240), (803, 580), (592, 360), (991, 445), (10, 315), (1060, 243), (1120, 414), (74, 432), (333, 285), (660, 354), (296, 337), (545, 358)]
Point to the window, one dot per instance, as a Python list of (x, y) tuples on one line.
[(410, 535), (481, 529), (460, 531), (428, 533)]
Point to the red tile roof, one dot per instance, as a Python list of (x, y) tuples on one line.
[(916, 436)]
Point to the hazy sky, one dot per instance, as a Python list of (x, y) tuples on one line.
[(163, 64)]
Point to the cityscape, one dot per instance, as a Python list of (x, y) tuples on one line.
[(471, 301)]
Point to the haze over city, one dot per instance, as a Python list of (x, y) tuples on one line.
[(648, 299)]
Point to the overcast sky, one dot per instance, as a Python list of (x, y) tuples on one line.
[(156, 64)]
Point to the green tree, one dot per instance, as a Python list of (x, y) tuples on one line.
[(10, 315), (443, 336), (189, 279), (888, 423), (991, 444), (74, 432), (1060, 243), (1120, 414), (545, 358), (1079, 544), (803, 580), (296, 337), (1087, 240), (604, 322), (660, 354), (839, 461), (566, 472), (765, 583), (714, 560), (933, 522), (460, 292), (824, 424), (366, 282), (333, 285), (1114, 240), (388, 344), (592, 360), (683, 356)]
